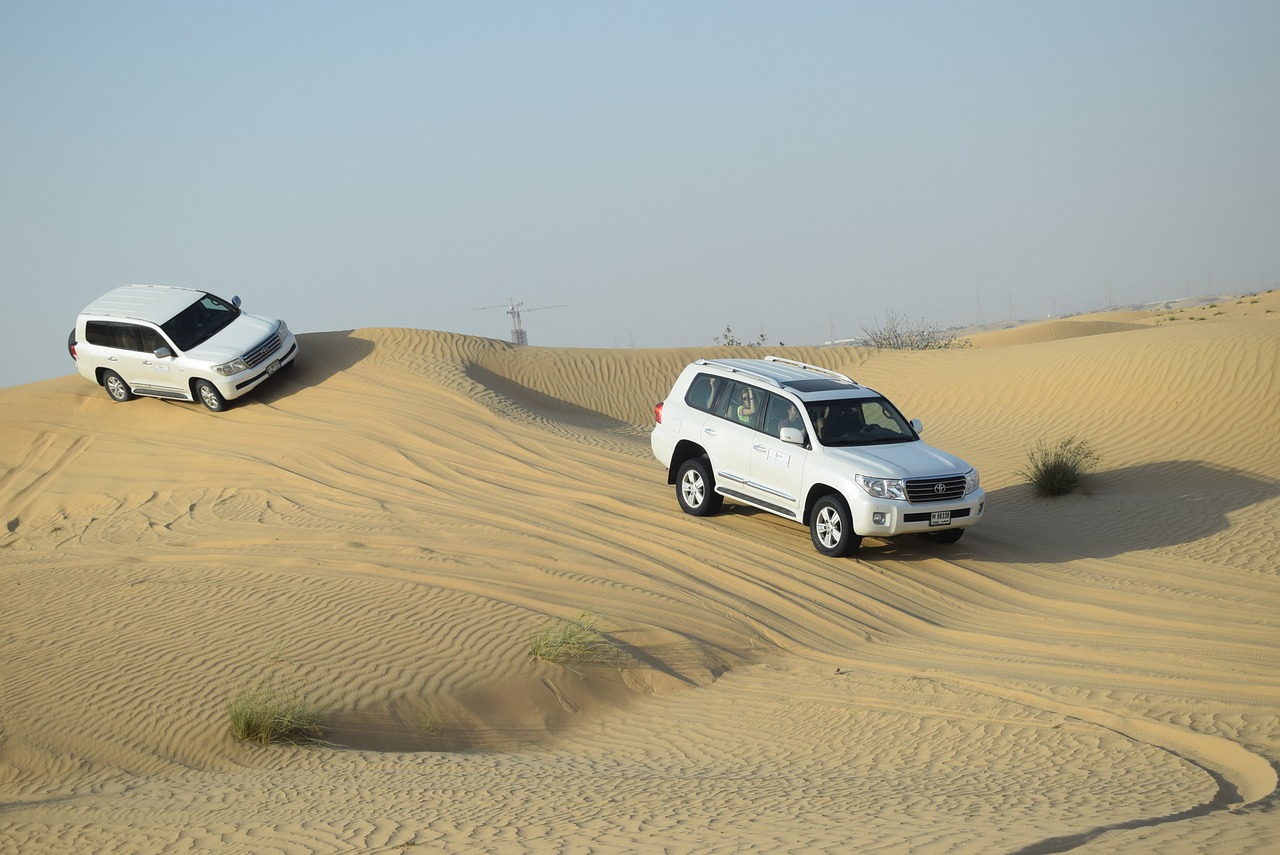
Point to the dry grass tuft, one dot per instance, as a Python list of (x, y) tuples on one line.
[(572, 640), (267, 713), (1058, 469)]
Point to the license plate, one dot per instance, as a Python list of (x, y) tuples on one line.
[(940, 518), (273, 367)]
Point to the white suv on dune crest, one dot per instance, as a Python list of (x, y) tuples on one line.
[(810, 445), (177, 343)]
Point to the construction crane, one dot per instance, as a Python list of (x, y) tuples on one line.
[(518, 335)]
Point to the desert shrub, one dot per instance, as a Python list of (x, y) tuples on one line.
[(898, 333), (1057, 469), (268, 713), (572, 640), (730, 339)]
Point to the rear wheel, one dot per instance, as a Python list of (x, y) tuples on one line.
[(696, 489), (116, 387), (209, 395), (831, 527)]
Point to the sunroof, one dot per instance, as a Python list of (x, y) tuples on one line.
[(820, 385)]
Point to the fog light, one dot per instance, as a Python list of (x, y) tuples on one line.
[(879, 517)]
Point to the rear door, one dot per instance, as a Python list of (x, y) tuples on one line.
[(728, 436)]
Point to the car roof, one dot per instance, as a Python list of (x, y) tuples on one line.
[(808, 382), (155, 303)]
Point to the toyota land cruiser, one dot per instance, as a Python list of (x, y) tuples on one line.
[(167, 342), (811, 445)]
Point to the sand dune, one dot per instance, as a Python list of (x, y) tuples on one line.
[(388, 524)]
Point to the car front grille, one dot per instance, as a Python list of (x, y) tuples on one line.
[(947, 489), (263, 350)]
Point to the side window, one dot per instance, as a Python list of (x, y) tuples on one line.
[(780, 413), (128, 337), (151, 340), (113, 334), (744, 404), (702, 392)]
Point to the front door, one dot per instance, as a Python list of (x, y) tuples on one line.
[(777, 467), (135, 360)]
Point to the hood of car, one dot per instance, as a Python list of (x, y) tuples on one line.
[(915, 459), (238, 338)]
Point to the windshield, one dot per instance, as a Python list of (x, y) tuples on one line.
[(199, 322), (859, 421)]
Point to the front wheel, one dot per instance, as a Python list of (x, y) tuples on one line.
[(116, 387), (831, 527), (209, 395), (696, 489)]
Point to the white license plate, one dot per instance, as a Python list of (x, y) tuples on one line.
[(273, 367), (940, 518)]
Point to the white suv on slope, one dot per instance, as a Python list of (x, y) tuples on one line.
[(178, 343), (811, 445)]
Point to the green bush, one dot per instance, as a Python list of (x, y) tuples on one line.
[(1057, 469), (267, 713), (575, 640)]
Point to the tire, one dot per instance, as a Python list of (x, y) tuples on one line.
[(950, 535), (831, 527), (117, 389), (208, 394), (696, 489)]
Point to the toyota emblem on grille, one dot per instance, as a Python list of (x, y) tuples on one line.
[(939, 488)]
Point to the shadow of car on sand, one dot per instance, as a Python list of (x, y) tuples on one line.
[(320, 357), (1148, 506)]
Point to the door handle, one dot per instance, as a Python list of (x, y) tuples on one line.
[(710, 431), (760, 448)]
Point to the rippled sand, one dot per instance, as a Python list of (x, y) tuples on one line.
[(387, 525)]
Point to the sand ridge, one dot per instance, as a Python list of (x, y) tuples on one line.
[(387, 524)]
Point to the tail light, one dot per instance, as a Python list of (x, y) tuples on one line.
[(657, 412)]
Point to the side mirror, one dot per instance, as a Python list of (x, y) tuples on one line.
[(235, 301), (795, 436), (163, 353), (918, 425)]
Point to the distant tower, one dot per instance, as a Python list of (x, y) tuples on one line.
[(518, 335)]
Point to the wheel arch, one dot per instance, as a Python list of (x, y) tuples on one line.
[(685, 450), (816, 492)]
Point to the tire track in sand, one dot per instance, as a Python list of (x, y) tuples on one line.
[(45, 460)]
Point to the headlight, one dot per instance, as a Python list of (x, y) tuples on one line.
[(284, 329), (970, 481), (235, 366), (882, 488)]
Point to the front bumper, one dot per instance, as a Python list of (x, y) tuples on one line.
[(238, 384), (889, 518)]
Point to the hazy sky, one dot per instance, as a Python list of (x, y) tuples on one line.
[(658, 169)]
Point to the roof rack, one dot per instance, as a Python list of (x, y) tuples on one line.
[(738, 369), (797, 364)]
